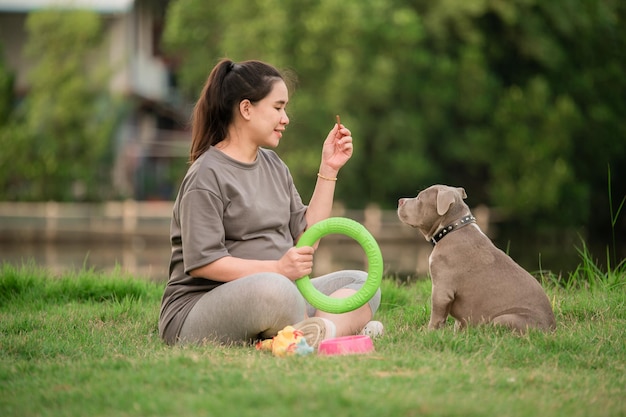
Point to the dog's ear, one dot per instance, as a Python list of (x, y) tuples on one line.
[(462, 191), (445, 198)]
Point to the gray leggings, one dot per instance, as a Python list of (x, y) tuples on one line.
[(258, 306)]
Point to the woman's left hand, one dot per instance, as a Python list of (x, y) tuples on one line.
[(337, 148)]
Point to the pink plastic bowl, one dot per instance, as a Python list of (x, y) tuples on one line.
[(346, 345)]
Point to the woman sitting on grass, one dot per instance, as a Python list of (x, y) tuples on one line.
[(238, 215)]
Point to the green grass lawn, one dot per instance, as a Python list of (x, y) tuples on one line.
[(86, 344)]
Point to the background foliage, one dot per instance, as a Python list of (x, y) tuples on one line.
[(521, 102), (56, 144)]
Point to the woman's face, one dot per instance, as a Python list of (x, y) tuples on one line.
[(268, 116)]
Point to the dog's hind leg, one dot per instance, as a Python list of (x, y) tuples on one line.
[(516, 322)]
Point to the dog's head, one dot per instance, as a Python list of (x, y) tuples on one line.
[(433, 208)]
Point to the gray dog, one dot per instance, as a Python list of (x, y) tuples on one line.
[(472, 280)]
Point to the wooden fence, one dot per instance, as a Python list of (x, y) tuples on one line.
[(135, 235), (120, 220)]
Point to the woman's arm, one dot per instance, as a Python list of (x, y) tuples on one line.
[(295, 264), (336, 151)]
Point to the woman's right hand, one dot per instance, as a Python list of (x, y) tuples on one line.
[(296, 263)]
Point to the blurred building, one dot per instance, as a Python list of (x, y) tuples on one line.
[(152, 140)]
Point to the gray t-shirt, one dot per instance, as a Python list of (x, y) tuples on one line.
[(225, 207)]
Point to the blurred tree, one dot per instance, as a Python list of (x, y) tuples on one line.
[(556, 121), (56, 143), (521, 101), (350, 58), (6, 89)]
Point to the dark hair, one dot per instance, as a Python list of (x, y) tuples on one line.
[(227, 85)]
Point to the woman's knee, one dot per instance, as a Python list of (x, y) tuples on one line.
[(347, 279), (272, 286), (374, 302), (360, 279), (278, 292)]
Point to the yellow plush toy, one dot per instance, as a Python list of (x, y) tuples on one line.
[(287, 342)]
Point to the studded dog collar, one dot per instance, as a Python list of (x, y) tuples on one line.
[(452, 227)]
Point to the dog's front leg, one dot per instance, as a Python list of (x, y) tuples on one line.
[(441, 301)]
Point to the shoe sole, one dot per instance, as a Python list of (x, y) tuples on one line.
[(313, 329)]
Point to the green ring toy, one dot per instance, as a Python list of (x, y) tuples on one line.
[(358, 232)]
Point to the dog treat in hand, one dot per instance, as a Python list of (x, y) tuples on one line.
[(338, 120)]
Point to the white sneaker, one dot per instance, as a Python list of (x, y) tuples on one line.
[(316, 329), (373, 329)]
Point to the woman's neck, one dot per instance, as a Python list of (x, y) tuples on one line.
[(238, 150)]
